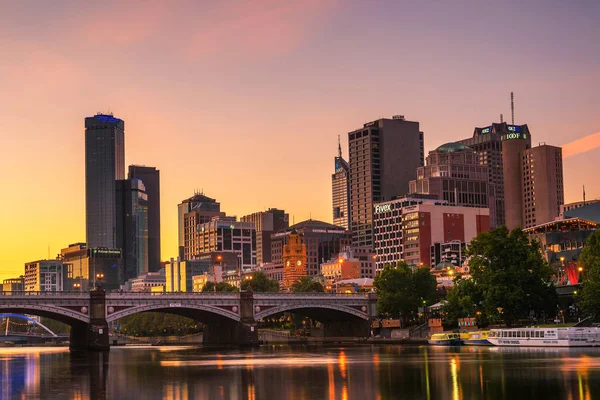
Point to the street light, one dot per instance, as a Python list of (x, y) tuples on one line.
[(77, 286)]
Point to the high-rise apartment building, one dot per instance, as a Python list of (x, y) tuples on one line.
[(487, 143), (266, 223), (196, 210), (453, 173), (542, 183), (132, 226), (104, 165), (384, 155), (340, 190), (150, 176)]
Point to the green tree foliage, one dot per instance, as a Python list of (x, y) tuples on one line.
[(306, 285), (259, 282), (462, 301), (221, 287), (589, 301), (158, 324), (400, 291), (55, 326), (511, 275)]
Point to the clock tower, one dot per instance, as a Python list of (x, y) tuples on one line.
[(294, 259)]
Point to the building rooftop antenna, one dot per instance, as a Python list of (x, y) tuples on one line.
[(501, 118), (512, 106), (339, 147)]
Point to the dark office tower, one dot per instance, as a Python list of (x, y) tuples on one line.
[(104, 164), (340, 190), (487, 142), (192, 212), (266, 223), (150, 176), (132, 226), (453, 173), (384, 155)]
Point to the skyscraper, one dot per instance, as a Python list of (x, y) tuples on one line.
[(384, 155), (340, 189), (132, 226), (542, 183), (266, 223), (104, 165), (196, 210), (487, 142), (150, 176), (453, 173)]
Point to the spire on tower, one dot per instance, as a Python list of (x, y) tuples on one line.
[(339, 147)]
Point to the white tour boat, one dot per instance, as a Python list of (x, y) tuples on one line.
[(545, 337)]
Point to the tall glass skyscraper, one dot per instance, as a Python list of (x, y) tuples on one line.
[(104, 165), (151, 178), (340, 191)]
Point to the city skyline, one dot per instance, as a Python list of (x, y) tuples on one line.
[(202, 98)]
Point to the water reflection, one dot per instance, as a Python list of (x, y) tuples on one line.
[(277, 372)]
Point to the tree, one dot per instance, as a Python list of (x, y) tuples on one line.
[(511, 274), (462, 301), (259, 282), (307, 285), (400, 291), (589, 301), (221, 287)]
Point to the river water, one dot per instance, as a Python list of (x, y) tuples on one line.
[(301, 372)]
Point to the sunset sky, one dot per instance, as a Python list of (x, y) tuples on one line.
[(245, 99)]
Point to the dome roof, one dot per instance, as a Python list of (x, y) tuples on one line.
[(452, 147)]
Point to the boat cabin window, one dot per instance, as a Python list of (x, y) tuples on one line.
[(542, 334)]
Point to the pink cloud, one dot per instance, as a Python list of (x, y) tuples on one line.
[(258, 26), (582, 145)]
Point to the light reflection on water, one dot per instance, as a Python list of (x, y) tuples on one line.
[(280, 372)]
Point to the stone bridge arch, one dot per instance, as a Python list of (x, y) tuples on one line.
[(199, 312), (306, 309), (61, 314)]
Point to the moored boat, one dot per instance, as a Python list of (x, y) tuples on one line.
[(444, 339), (478, 338), (545, 337)]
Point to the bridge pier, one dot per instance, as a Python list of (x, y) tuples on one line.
[(227, 332), (92, 336)]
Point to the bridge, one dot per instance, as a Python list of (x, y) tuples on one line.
[(228, 318)]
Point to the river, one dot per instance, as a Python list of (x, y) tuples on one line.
[(360, 372)]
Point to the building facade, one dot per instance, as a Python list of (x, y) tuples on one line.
[(179, 274), (132, 226), (426, 224), (379, 171), (265, 224), (81, 265), (487, 143), (145, 282), (340, 191), (44, 276), (104, 164), (322, 241), (453, 173), (542, 183), (453, 252), (13, 284), (192, 212), (150, 176), (224, 234), (294, 259), (344, 266), (388, 228)]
